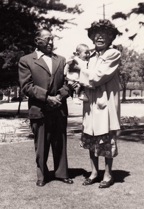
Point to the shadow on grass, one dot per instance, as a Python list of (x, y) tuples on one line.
[(13, 114), (74, 172), (134, 134), (130, 138), (74, 116), (119, 175)]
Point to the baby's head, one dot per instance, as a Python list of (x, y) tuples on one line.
[(82, 51)]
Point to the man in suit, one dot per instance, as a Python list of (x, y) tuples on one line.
[(41, 76)]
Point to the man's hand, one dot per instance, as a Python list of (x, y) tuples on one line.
[(53, 101)]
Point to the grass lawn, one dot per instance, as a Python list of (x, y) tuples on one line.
[(18, 171), (18, 176)]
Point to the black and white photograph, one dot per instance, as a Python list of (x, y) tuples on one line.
[(71, 104)]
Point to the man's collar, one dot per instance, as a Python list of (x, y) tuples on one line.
[(39, 54)]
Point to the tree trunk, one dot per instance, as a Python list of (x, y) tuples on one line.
[(19, 106), (15, 90), (9, 92), (20, 101), (130, 92), (124, 94)]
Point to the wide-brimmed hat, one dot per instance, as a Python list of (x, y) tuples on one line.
[(102, 24)]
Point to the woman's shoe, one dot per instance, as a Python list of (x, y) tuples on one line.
[(106, 184), (89, 181)]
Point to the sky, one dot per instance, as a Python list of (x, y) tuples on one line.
[(93, 10)]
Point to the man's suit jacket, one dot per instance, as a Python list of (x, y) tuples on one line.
[(37, 83)]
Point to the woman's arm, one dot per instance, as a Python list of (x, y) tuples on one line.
[(102, 70), (105, 69)]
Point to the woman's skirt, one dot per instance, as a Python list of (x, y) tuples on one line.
[(103, 145)]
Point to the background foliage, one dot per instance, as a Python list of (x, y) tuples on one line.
[(19, 20)]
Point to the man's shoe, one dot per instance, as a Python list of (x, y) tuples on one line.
[(65, 180), (68, 181), (40, 183)]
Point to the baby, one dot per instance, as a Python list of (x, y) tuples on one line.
[(73, 68)]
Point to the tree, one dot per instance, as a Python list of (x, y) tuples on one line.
[(130, 71), (138, 11), (19, 20), (141, 61)]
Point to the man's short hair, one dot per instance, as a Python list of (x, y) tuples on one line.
[(39, 32)]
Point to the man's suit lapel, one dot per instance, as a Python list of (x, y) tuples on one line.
[(55, 64), (41, 63)]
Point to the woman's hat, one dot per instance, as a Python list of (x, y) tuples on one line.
[(103, 24)]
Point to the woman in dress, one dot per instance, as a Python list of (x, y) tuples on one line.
[(101, 113)]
